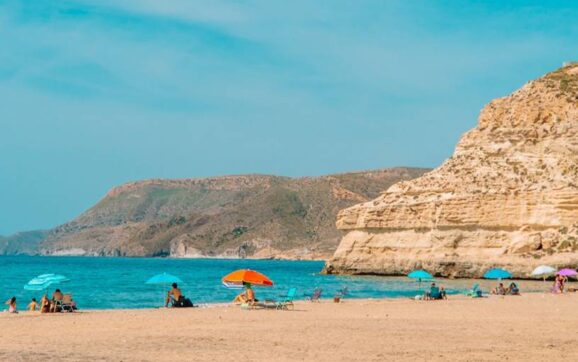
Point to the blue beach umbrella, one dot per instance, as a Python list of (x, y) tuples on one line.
[(163, 279), (497, 274), (419, 275), (44, 281)]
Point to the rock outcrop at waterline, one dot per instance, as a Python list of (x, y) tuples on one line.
[(508, 197)]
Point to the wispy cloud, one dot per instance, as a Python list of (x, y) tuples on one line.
[(97, 92)]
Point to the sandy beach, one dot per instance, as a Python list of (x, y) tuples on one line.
[(533, 327)]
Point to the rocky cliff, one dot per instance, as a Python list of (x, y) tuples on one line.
[(22, 243), (254, 216), (508, 196)]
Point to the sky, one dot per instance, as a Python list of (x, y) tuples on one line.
[(97, 93)]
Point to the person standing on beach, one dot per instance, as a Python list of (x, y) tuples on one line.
[(558, 284)]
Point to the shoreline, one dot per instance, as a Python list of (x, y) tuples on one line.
[(523, 327), (346, 300)]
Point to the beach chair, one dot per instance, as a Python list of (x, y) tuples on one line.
[(315, 296), (434, 293), (475, 292), (287, 300), (66, 304)]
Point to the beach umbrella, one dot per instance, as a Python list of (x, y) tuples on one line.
[(497, 274), (543, 271), (44, 281), (419, 275), (567, 272), (238, 277), (163, 280)]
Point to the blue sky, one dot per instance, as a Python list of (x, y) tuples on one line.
[(97, 93)]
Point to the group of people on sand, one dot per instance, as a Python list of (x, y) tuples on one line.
[(46, 305), (435, 292), (511, 290)]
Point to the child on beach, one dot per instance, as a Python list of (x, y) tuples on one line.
[(33, 305), (11, 303)]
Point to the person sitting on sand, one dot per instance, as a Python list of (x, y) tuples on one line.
[(11, 303), (32, 305), (174, 294), (443, 294), (433, 293), (248, 296), (45, 304), (499, 290), (513, 289)]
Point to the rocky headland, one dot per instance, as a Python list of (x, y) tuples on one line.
[(508, 197), (247, 216)]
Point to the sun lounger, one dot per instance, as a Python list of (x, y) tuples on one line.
[(315, 296), (475, 292), (287, 300), (66, 304)]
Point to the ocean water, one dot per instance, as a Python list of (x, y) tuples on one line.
[(103, 283)]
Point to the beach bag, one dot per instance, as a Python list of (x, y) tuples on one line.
[(187, 303)]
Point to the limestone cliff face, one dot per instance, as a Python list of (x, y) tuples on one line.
[(508, 196)]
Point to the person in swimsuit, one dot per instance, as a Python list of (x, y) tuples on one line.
[(45, 304), (56, 297), (499, 290), (557, 285), (513, 289), (11, 303), (248, 296), (174, 294), (33, 305)]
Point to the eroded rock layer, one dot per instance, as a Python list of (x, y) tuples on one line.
[(508, 197)]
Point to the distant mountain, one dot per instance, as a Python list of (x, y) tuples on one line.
[(255, 216), (22, 243)]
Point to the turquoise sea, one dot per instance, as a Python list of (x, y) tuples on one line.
[(103, 283)]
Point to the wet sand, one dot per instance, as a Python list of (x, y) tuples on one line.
[(534, 327)]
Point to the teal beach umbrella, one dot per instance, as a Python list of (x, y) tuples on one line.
[(44, 281), (497, 274), (163, 279), (419, 275)]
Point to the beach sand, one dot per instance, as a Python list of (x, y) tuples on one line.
[(533, 327)]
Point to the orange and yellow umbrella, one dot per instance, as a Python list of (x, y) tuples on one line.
[(238, 277)]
